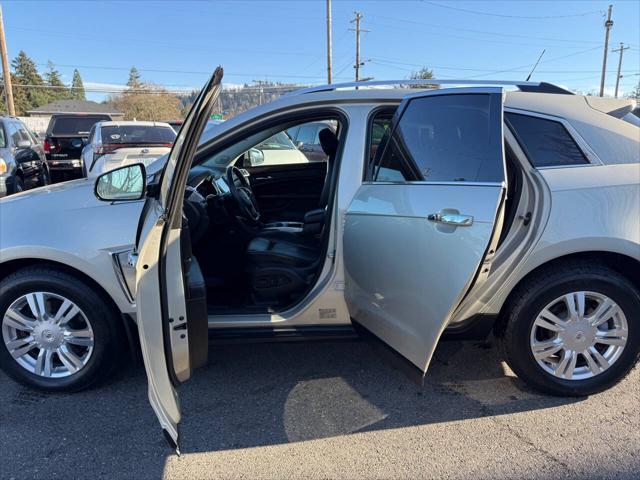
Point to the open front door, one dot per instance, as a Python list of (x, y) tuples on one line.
[(170, 293), (420, 233)]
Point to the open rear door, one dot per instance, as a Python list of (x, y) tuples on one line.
[(420, 233), (170, 293)]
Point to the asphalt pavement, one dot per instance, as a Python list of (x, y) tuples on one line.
[(325, 410)]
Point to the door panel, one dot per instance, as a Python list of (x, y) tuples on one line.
[(170, 298), (287, 192), (405, 273), (413, 248)]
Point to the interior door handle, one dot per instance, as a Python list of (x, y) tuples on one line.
[(456, 219), (268, 177)]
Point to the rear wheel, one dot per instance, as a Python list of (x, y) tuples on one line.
[(573, 330), (57, 333)]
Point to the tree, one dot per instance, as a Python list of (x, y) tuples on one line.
[(134, 79), (29, 87), (423, 74), (635, 93), (58, 89), (147, 102), (77, 87)]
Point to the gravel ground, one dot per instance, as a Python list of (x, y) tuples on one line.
[(325, 410)]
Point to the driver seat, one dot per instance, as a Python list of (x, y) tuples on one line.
[(282, 264)]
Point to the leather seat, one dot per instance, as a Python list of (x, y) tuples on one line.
[(281, 264), (282, 249)]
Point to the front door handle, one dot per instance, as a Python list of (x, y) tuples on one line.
[(455, 219)]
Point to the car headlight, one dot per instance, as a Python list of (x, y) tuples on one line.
[(3, 166)]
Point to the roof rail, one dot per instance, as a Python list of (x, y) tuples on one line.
[(538, 87)]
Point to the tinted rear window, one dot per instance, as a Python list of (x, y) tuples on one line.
[(74, 125), (451, 138), (146, 134), (546, 142)]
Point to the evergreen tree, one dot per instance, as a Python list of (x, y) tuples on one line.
[(635, 93), (134, 79), (53, 79), (423, 74), (29, 88), (77, 87)]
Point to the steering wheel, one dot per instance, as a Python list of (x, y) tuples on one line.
[(242, 194)]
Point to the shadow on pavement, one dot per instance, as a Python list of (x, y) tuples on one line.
[(248, 396)]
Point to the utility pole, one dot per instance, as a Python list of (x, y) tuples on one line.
[(358, 30), (329, 54), (607, 26), (620, 49), (6, 73)]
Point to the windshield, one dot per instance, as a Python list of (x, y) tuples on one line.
[(144, 134)]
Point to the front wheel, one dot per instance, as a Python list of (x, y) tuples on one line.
[(573, 330), (57, 333)]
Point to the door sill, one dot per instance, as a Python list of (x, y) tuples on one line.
[(281, 334)]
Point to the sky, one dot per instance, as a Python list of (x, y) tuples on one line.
[(178, 43)]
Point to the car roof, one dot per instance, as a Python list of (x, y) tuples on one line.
[(590, 116)]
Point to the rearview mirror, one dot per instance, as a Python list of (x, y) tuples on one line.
[(124, 183)]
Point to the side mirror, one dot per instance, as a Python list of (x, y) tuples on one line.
[(256, 157), (22, 144), (124, 183), (299, 144)]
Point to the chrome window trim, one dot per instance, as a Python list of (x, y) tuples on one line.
[(587, 151)]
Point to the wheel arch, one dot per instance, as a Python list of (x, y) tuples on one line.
[(625, 265)]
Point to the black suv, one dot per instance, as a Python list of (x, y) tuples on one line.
[(66, 135), (22, 160)]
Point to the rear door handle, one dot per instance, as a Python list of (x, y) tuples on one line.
[(456, 219)]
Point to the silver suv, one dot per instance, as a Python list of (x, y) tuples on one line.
[(439, 213)]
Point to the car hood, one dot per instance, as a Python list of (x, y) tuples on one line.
[(73, 194), (66, 216)]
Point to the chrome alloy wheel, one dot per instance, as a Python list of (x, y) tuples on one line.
[(579, 335), (47, 334)]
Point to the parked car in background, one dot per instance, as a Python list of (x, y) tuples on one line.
[(307, 139), (22, 159), (66, 136), (114, 144), (512, 209)]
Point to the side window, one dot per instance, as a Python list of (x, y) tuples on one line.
[(379, 127), (546, 142), (445, 138), (14, 133), (270, 147), (3, 139), (24, 134), (306, 134)]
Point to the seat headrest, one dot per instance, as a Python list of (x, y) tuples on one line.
[(328, 142)]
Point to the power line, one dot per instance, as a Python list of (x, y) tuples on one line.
[(484, 32), (189, 72), (527, 17)]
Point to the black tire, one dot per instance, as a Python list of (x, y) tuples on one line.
[(107, 328), (542, 288), (18, 186)]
